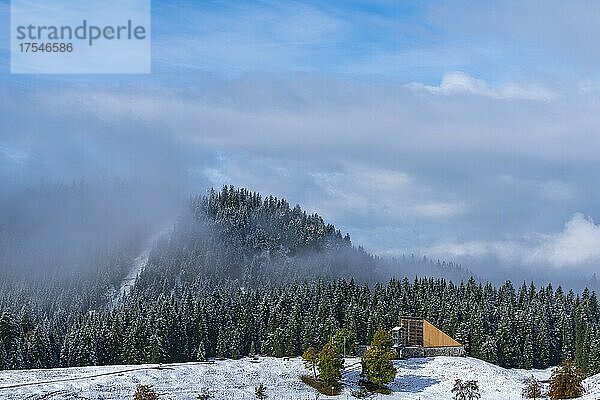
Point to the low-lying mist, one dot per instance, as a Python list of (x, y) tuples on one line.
[(61, 230)]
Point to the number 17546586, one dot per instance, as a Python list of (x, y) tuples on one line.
[(46, 47)]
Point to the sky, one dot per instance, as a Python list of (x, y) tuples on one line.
[(465, 131)]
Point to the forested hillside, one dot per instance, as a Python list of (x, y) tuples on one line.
[(235, 234), (239, 274)]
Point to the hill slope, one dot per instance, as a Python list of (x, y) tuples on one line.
[(235, 379), (237, 234), (224, 283)]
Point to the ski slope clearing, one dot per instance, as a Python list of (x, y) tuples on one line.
[(423, 379), (136, 268)]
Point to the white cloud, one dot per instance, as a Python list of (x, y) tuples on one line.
[(549, 189), (456, 82), (13, 155), (503, 250), (436, 210), (216, 177), (369, 180), (588, 87), (392, 196), (361, 191), (466, 176), (577, 244), (559, 34)]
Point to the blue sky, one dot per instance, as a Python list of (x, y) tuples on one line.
[(384, 42), (462, 130)]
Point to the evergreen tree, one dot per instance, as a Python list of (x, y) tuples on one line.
[(377, 365), (260, 392), (311, 359), (330, 364), (345, 342), (157, 351), (201, 351), (566, 382)]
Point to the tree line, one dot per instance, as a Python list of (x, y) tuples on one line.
[(240, 274), (527, 327)]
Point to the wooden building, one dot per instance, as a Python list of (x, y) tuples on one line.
[(416, 337)]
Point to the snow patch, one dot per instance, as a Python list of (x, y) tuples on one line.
[(425, 379), (136, 268)]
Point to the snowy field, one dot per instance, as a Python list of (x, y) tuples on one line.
[(416, 379)]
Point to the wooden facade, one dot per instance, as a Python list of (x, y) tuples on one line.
[(433, 337), (417, 332)]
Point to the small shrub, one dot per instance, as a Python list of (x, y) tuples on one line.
[(260, 392), (311, 359), (205, 394), (532, 388), (566, 382), (145, 392), (466, 390)]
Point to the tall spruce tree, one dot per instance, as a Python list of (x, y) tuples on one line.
[(377, 364), (330, 364)]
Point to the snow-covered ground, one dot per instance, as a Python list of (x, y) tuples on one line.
[(136, 268), (425, 379)]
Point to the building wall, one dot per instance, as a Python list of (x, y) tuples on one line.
[(422, 352), (455, 351), (411, 332), (433, 337)]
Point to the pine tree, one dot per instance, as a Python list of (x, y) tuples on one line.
[(201, 351), (376, 362), (566, 382), (222, 343), (311, 359), (528, 354), (345, 341), (489, 350), (594, 353), (330, 364), (157, 351), (383, 340)]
